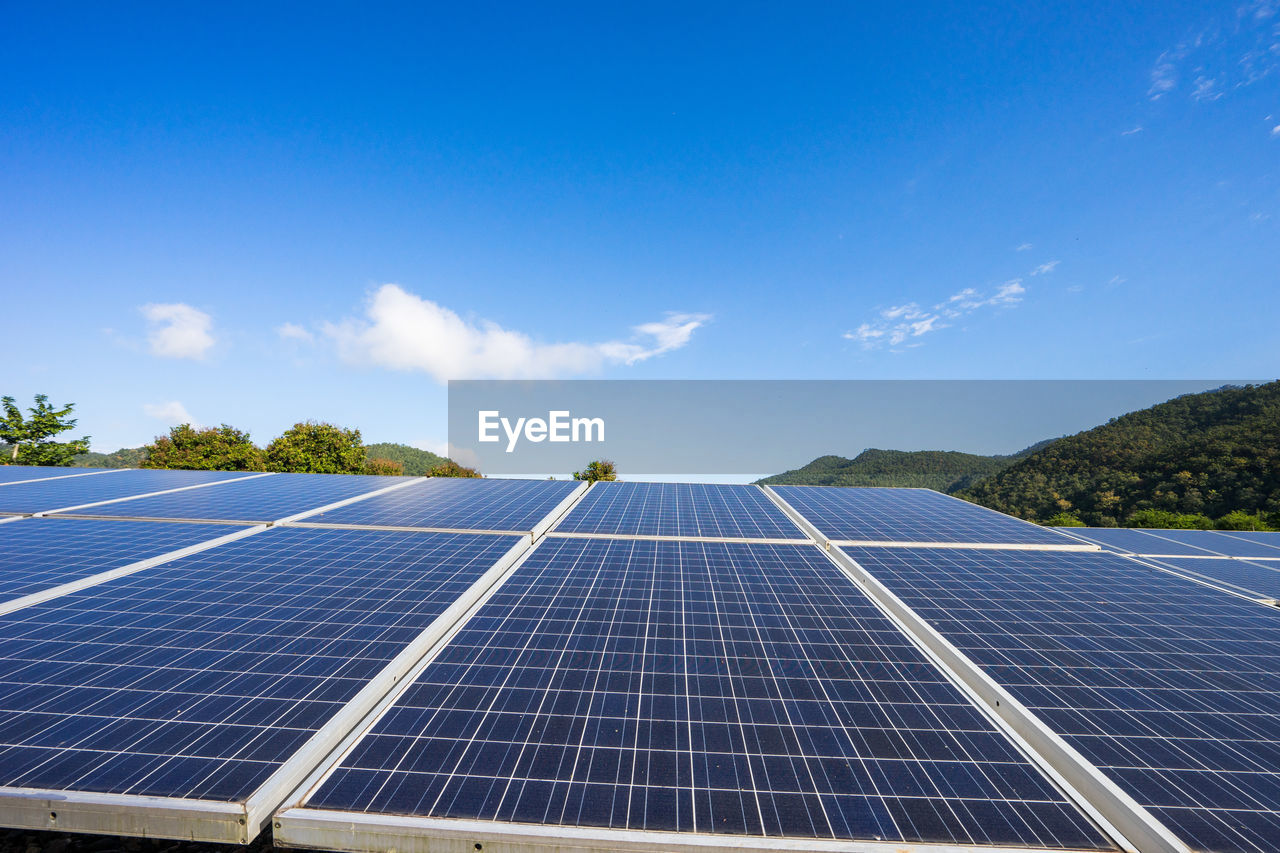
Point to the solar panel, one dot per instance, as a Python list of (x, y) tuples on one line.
[(695, 687), (39, 553), (873, 515), (1241, 576), (1170, 687), (1134, 541), (1220, 543), (21, 473), (46, 495), (200, 678), (460, 503), (679, 509), (262, 499), (1182, 543), (1270, 541)]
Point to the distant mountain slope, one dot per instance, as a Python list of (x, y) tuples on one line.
[(125, 457), (416, 462), (942, 470), (1212, 453)]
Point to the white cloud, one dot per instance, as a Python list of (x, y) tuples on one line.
[(171, 414), (294, 332), (1116, 279), (178, 330), (1275, 131), (1137, 128), (1044, 268), (1164, 75), (1024, 247), (901, 324), (403, 331), (431, 445)]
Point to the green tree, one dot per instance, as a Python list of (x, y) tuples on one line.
[(28, 438), (383, 467), (222, 448), (1241, 520), (1064, 519), (313, 447), (600, 469), (449, 468)]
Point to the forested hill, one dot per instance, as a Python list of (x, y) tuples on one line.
[(1204, 454), (942, 470), (416, 462)]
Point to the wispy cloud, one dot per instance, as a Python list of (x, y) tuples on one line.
[(171, 413), (1047, 267), (294, 332), (1224, 55), (903, 324), (1131, 131), (1275, 131), (403, 331), (178, 331), (1115, 280), (1023, 247)]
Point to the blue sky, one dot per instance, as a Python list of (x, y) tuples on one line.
[(323, 212)]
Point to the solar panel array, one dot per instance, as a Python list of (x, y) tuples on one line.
[(679, 509), (199, 678), (1170, 687), (458, 504), (256, 499), (23, 473), (874, 515), (669, 662), (1256, 579), (46, 495), (40, 553), (1182, 543), (698, 687)]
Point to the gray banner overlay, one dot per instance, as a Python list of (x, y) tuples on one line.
[(758, 427)]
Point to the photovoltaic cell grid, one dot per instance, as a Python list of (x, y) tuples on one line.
[(199, 678), (707, 687), (260, 499), (1185, 543), (19, 473), (458, 503), (45, 495), (1172, 688), (39, 553), (909, 515), (1241, 576), (679, 509)]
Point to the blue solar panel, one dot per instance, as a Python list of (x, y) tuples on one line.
[(709, 687), (1242, 576), (1220, 542), (458, 503), (46, 495), (39, 553), (1171, 687), (679, 509), (20, 473), (260, 499), (197, 679), (1268, 542), (1182, 543), (1133, 541), (910, 515)]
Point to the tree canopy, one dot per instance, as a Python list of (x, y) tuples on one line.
[(599, 469), (315, 447), (222, 448), (29, 438)]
